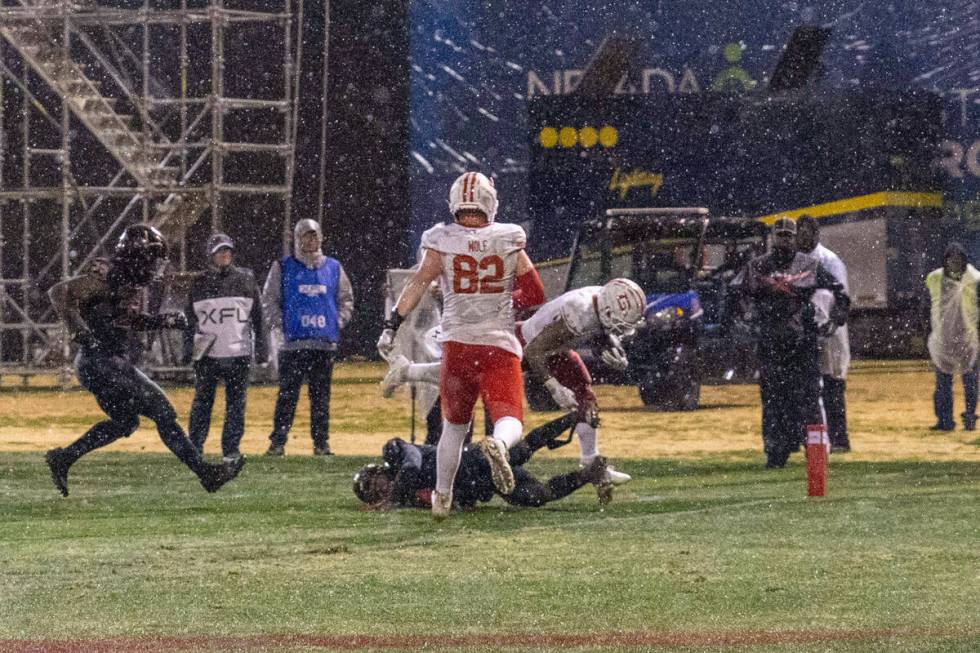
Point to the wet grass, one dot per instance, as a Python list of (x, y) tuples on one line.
[(703, 541), (717, 545)]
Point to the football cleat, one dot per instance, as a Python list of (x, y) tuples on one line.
[(441, 505), (59, 469), (395, 376), (276, 450), (214, 476), (604, 491), (322, 451), (616, 478), (595, 472), (496, 454)]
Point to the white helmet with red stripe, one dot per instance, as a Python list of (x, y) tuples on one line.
[(620, 305), (474, 191)]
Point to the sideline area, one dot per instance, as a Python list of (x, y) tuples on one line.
[(889, 412)]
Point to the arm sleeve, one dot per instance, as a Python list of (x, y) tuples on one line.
[(345, 299), (528, 290), (836, 267), (842, 303), (272, 297)]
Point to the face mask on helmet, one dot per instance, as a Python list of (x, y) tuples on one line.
[(372, 484), (473, 191), (620, 305)]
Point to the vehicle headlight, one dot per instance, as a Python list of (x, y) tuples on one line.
[(666, 317)]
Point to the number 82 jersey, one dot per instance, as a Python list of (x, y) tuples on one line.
[(478, 270)]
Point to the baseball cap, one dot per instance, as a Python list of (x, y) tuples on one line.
[(784, 225), (217, 241)]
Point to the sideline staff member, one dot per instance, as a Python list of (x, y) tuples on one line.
[(835, 349), (223, 311), (308, 296), (953, 340), (780, 286)]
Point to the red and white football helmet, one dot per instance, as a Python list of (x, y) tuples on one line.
[(473, 190), (620, 304)]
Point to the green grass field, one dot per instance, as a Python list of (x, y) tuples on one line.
[(702, 553), (691, 548)]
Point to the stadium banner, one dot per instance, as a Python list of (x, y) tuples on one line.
[(476, 67)]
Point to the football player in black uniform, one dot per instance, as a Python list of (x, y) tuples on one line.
[(408, 474), (103, 311)]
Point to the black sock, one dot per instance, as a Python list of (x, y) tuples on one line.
[(173, 436), (564, 484), (540, 436), (519, 454), (98, 436)]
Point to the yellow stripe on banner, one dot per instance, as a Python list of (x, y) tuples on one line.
[(554, 262), (859, 203)]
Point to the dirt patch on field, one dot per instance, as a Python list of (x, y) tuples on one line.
[(889, 410), (420, 642)]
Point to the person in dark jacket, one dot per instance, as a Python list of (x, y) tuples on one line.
[(102, 310), (224, 319), (309, 298), (407, 475), (779, 287)]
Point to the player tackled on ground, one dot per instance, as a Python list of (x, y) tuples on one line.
[(478, 263), (103, 311), (408, 474)]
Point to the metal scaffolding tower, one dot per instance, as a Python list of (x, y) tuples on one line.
[(111, 115)]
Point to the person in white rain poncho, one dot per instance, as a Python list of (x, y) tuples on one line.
[(835, 349), (953, 342)]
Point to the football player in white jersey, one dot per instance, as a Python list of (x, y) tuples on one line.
[(549, 338), (576, 317), (479, 263)]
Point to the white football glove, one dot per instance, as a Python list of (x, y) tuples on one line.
[(564, 397), (615, 358), (386, 343)]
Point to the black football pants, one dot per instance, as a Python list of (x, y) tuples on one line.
[(125, 394)]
